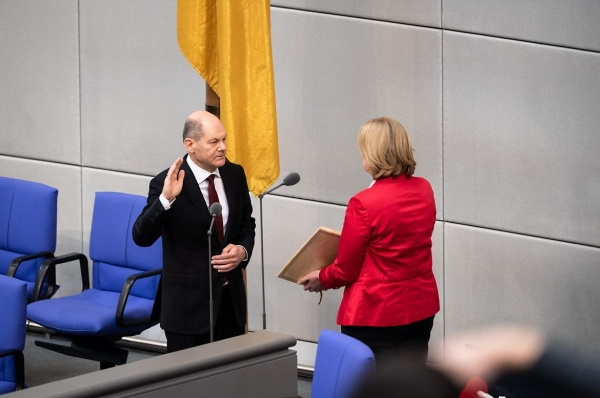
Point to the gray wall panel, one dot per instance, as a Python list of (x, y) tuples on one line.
[(521, 137), (288, 223), (337, 74), (566, 23), (136, 87), (417, 12), (39, 80), (494, 277)]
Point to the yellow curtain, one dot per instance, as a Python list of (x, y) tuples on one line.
[(229, 43)]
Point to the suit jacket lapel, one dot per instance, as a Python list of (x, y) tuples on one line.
[(192, 189)]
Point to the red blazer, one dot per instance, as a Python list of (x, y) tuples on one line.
[(384, 255)]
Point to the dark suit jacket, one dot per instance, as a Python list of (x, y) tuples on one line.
[(184, 298)]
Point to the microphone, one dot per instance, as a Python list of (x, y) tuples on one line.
[(289, 180), (214, 210)]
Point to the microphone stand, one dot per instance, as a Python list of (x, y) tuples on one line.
[(210, 283), (290, 179), (262, 262), (262, 254)]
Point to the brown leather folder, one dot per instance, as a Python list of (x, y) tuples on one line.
[(318, 252)]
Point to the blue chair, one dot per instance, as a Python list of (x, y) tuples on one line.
[(121, 299), (341, 364), (27, 231), (13, 296)]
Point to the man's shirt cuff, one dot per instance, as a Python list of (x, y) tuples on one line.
[(166, 204), (246, 258)]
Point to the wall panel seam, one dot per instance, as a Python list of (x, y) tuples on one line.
[(356, 17), (441, 28), (561, 46), (523, 234), (81, 230)]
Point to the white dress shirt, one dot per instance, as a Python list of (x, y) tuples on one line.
[(201, 176)]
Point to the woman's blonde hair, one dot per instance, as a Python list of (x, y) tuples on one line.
[(386, 148)]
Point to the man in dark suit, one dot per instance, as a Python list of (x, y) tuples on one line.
[(177, 210)]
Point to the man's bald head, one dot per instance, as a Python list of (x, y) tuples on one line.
[(196, 123), (204, 139)]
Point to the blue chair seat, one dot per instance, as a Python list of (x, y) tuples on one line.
[(90, 313)]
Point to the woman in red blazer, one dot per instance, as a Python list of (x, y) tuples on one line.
[(384, 256)]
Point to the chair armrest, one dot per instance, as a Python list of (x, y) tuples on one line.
[(19, 366), (50, 264), (14, 264), (125, 295)]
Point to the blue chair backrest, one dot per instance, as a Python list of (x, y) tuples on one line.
[(13, 298), (114, 254), (27, 224), (341, 364)]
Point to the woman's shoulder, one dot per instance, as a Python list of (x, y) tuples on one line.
[(394, 186), (420, 181), (401, 180)]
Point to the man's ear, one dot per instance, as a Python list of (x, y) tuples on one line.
[(189, 145)]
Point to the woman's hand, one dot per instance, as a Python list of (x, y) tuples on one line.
[(311, 282)]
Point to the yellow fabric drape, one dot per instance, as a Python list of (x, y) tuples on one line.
[(229, 43)]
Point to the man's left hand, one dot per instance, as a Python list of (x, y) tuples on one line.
[(229, 259)]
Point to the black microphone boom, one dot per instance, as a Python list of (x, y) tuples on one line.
[(290, 179)]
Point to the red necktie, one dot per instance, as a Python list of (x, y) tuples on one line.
[(212, 198)]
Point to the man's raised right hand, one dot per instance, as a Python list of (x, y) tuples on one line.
[(173, 181)]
